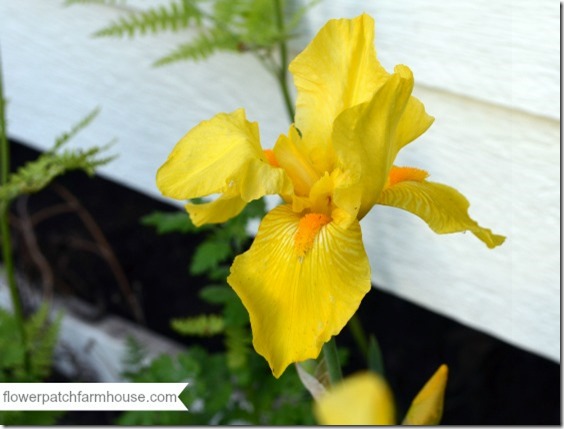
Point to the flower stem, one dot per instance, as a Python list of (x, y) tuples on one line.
[(5, 227), (282, 75), (331, 356)]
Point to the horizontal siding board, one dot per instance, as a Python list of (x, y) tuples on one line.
[(496, 140), (503, 52)]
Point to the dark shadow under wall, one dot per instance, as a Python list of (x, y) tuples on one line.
[(490, 382)]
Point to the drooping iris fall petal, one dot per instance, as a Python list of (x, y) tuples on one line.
[(222, 155), (443, 208), (301, 281)]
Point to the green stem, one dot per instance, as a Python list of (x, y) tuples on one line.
[(332, 361), (358, 334), (5, 227), (282, 75)]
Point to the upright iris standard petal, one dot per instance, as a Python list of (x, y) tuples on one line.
[(367, 137), (443, 208), (336, 71), (222, 155), (301, 281)]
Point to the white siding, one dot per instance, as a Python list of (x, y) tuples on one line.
[(487, 70)]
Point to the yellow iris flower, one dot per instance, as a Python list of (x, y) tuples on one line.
[(307, 271)]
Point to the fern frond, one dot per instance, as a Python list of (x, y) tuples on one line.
[(41, 341), (37, 174), (201, 47), (203, 326), (79, 126), (174, 17)]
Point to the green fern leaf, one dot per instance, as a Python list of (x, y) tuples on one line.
[(218, 294), (75, 129), (174, 17), (167, 222), (201, 47), (203, 326), (37, 174), (41, 341), (209, 255)]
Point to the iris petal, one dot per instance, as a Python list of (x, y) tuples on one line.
[(221, 155), (297, 301), (336, 71), (368, 137), (361, 399), (220, 210), (443, 208)]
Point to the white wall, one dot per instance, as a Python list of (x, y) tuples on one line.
[(487, 70)]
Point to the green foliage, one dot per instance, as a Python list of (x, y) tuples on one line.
[(209, 255), (202, 46), (205, 325), (375, 360), (169, 222), (41, 341), (214, 25), (218, 395), (176, 16), (37, 174)]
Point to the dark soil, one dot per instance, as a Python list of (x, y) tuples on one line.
[(490, 382)]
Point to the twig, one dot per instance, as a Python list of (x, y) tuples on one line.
[(47, 277), (44, 214), (105, 250)]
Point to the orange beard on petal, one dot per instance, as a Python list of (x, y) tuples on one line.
[(308, 227)]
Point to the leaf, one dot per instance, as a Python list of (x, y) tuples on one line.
[(217, 294), (208, 256), (168, 222), (427, 407), (41, 341), (201, 47), (375, 361), (175, 16), (41, 338), (204, 325), (75, 129), (37, 174)]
